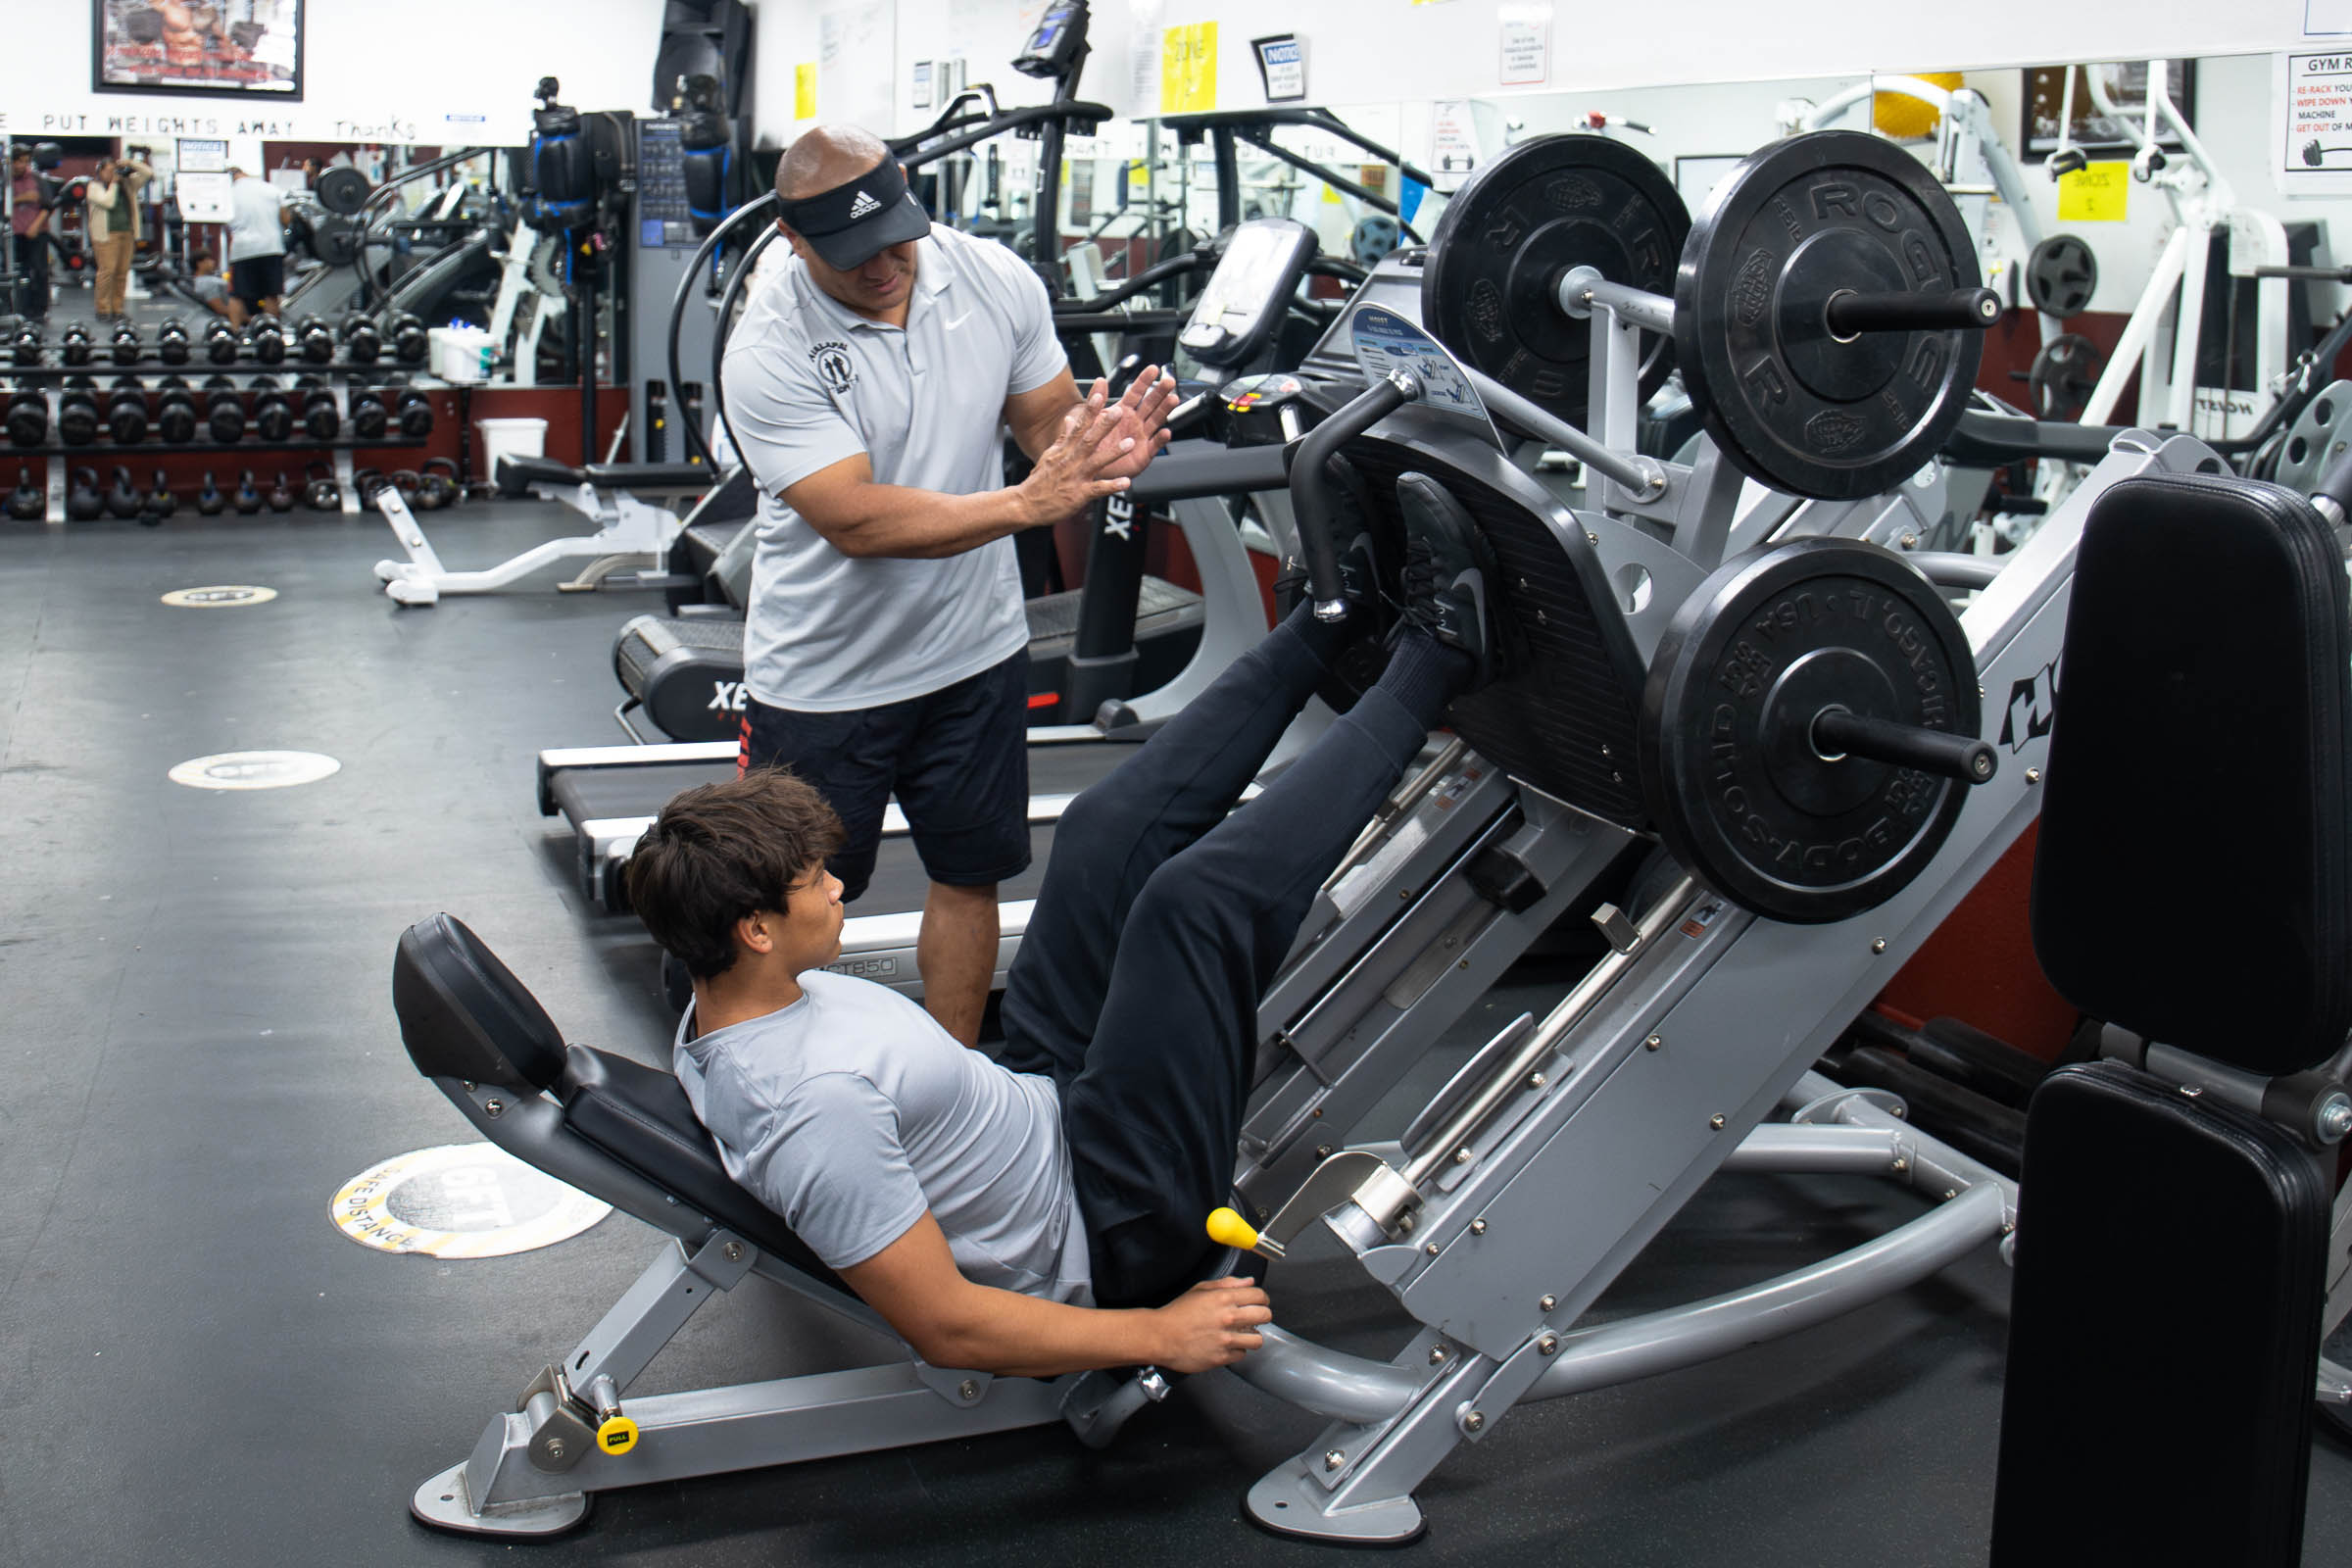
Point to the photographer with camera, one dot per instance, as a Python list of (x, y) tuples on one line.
[(114, 221)]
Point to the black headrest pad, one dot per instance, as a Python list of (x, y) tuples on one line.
[(462, 1014), (2192, 881)]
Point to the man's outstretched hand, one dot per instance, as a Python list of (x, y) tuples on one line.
[(1213, 1324), (1142, 417), (1102, 446)]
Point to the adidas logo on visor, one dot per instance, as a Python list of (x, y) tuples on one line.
[(863, 205)]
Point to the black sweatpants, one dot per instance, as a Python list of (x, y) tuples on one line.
[(1159, 924)]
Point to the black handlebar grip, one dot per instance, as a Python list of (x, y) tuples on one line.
[(1311, 488), (1960, 309)]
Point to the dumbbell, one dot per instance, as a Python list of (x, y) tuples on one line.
[(273, 415), (319, 492), (171, 342), (316, 343), (266, 341), (127, 348), (210, 502), (248, 499), (176, 412), (319, 417), (158, 504), (127, 412), (84, 504), (27, 417), (122, 496), (224, 410), (220, 342), (28, 345), (408, 341), (73, 347), (414, 410), (27, 502), (281, 494), (77, 412), (363, 344), (368, 417)]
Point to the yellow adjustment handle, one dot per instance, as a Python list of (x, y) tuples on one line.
[(616, 1436), (1228, 1229)]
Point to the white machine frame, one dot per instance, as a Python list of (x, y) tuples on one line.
[(631, 533)]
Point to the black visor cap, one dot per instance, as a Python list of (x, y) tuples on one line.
[(851, 224)]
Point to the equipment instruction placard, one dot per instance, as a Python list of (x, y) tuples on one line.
[(2313, 123)]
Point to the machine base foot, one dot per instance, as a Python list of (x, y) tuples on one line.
[(443, 1503), (1286, 1503)]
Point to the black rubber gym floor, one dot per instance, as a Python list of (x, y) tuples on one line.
[(197, 1368)]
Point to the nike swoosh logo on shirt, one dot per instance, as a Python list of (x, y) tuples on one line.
[(958, 321)]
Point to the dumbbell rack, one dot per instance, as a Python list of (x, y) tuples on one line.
[(61, 459)]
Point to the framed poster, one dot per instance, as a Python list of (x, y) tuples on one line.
[(210, 48), (2126, 86)]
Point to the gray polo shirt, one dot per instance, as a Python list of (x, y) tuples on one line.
[(809, 384)]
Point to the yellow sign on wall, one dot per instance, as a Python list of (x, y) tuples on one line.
[(1188, 69), (803, 91), (2097, 193)]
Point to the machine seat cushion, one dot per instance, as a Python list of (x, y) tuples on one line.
[(641, 1117), (462, 1014), (2193, 882), (516, 474)]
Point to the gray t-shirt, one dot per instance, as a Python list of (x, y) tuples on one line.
[(850, 1111), (809, 384), (255, 228)]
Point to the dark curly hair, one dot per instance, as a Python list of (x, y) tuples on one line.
[(721, 852)]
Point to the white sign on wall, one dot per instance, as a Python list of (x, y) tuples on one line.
[(2311, 149), (1525, 44)]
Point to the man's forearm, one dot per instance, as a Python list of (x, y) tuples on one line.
[(893, 520), (1025, 1336)]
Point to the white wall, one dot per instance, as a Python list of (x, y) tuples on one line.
[(430, 71)]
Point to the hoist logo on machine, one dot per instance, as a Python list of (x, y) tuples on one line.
[(2033, 708), (833, 365)]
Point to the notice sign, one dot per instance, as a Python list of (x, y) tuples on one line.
[(1282, 65), (1188, 69), (2313, 151), (1526, 45), (2097, 193)]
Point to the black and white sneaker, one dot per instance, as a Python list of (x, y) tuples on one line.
[(1449, 575)]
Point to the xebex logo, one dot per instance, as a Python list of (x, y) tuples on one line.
[(728, 697), (1118, 517), (2033, 708)]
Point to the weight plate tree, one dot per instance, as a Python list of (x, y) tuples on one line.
[(1809, 727), (1490, 291), (1796, 395)]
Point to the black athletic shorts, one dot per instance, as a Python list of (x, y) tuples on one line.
[(257, 278), (956, 759)]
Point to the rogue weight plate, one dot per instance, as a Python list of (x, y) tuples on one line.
[(2061, 275), (1794, 405), (342, 189), (1730, 770), (1491, 289), (2065, 373)]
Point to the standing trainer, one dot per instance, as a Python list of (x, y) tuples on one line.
[(886, 645), (257, 247)]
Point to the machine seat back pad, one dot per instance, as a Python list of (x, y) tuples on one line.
[(462, 1014)]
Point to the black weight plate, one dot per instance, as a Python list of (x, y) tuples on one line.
[(342, 189), (2061, 275), (2064, 375), (1789, 404), (1490, 290), (1728, 770), (335, 241)]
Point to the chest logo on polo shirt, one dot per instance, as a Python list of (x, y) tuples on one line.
[(834, 367)]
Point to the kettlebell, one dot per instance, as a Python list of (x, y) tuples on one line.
[(436, 484), (248, 499), (160, 504), (322, 493), (210, 502), (365, 482), (281, 494), (122, 500), (28, 501), (82, 502)]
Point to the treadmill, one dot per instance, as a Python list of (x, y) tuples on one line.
[(609, 795)]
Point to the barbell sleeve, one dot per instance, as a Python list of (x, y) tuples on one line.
[(1960, 309), (1840, 731), (1582, 287)]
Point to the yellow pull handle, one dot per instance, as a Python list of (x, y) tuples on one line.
[(617, 1435), (1228, 1229)]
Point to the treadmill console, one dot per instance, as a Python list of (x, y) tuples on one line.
[(1249, 292), (1059, 39)]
